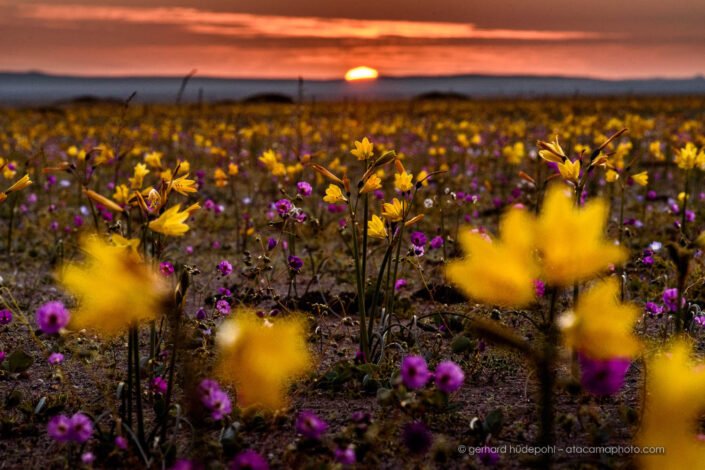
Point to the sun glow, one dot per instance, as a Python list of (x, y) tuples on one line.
[(361, 73)]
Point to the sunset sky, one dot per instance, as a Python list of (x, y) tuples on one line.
[(325, 38)]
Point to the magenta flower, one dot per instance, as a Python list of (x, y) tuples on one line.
[(56, 358), (81, 428), (5, 316), (52, 317), (345, 456), (166, 268), (283, 207), (310, 426), (59, 428), (121, 442), (87, 458), (271, 244), (670, 299), (418, 239), (295, 263), (414, 372), (249, 460), (603, 377), (539, 288), (449, 377), (159, 385), (3, 355), (214, 399), (304, 188), (417, 438), (223, 307), (487, 456), (225, 268), (436, 242)]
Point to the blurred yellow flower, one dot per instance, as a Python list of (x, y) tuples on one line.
[(140, 172), (171, 222), (233, 169), (611, 176), (362, 150), (183, 185), (132, 245), (514, 154), (642, 179), (403, 181), (122, 194), (113, 287), (674, 401), (19, 185), (500, 272), (394, 211), (153, 159), (600, 326), (571, 240), (262, 358), (376, 228), (334, 195), (686, 157), (220, 177)]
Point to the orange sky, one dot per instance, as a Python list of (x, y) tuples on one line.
[(323, 39)]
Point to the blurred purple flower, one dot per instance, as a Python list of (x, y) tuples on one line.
[(414, 372), (52, 317), (249, 460), (304, 188), (436, 242), (5, 316), (309, 425), (159, 385), (225, 268), (283, 207), (166, 268), (295, 263), (670, 299), (418, 238), (345, 456), (55, 358), (449, 377), (400, 284), (223, 307), (59, 428), (417, 438), (603, 377)]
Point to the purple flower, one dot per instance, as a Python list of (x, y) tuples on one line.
[(225, 268), (81, 428), (437, 242), (5, 316), (159, 385), (166, 268), (188, 250), (56, 358), (59, 428), (283, 207), (184, 464), (201, 314), (52, 317), (271, 244), (651, 195), (87, 458), (345, 456), (249, 460), (295, 263), (414, 372), (3, 354), (487, 456), (670, 299), (603, 377), (647, 260), (310, 426), (417, 438), (449, 376), (223, 307), (400, 284), (214, 399), (77, 221), (303, 188), (121, 442), (653, 309), (539, 288), (418, 239)]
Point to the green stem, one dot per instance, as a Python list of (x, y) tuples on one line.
[(364, 343), (547, 379)]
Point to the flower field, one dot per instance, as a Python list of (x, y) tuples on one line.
[(416, 284)]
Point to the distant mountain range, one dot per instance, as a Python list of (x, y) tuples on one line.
[(38, 88)]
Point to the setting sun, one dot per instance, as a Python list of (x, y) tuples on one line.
[(361, 73)]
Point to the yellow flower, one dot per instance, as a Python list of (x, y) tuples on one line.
[(262, 358), (270, 160), (19, 185), (499, 272), (363, 150), (171, 222), (403, 181), (686, 157), (600, 326), (153, 159), (570, 170), (611, 176), (551, 151), (132, 245), (655, 149), (701, 240), (373, 183), (422, 176), (138, 179), (334, 195), (514, 153), (122, 194), (220, 177), (184, 167), (376, 228), (571, 240), (183, 185), (674, 401), (394, 211), (113, 287), (233, 169), (642, 179)]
